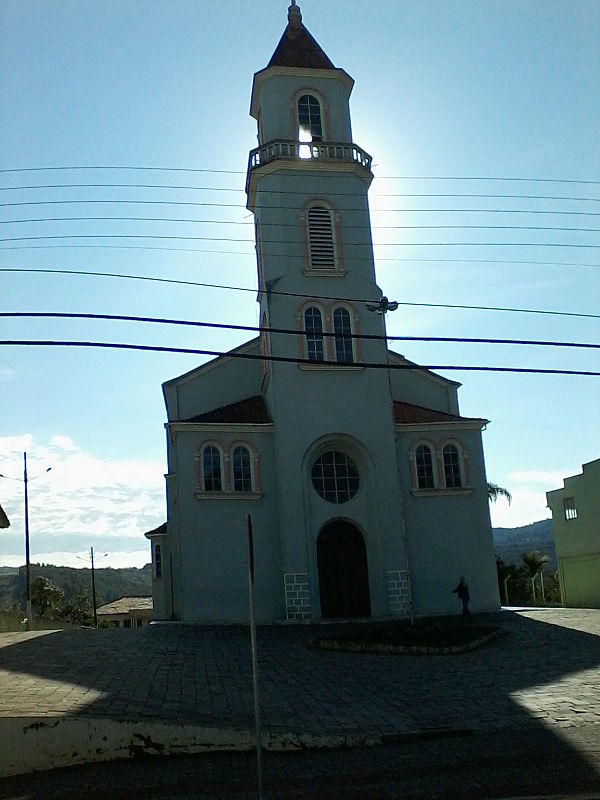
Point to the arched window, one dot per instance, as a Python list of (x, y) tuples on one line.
[(211, 469), (424, 467), (321, 243), (310, 128), (313, 326), (157, 561), (342, 329), (452, 474), (242, 470)]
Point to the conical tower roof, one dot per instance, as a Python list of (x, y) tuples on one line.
[(297, 47)]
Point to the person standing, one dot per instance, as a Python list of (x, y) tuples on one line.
[(462, 592)]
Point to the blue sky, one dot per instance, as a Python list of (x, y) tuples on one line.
[(443, 90)]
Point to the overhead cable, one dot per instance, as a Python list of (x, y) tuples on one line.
[(289, 331), (289, 360)]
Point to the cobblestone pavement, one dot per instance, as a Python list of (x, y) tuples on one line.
[(543, 670), (525, 709)]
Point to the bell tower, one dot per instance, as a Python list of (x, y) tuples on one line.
[(307, 186)]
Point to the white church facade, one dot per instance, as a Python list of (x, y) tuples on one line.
[(366, 487)]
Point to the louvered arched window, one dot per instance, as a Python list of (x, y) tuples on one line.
[(321, 243), (313, 326), (342, 329)]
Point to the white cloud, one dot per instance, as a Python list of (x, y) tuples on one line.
[(82, 498), (63, 443)]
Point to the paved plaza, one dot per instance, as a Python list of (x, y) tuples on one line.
[(539, 682)]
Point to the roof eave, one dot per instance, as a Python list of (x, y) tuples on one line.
[(308, 72)]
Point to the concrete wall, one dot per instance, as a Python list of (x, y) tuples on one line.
[(577, 539), (449, 531)]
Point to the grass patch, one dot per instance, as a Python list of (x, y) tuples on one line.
[(427, 636)]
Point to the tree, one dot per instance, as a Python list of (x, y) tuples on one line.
[(534, 564), (494, 492), (78, 609), (45, 594)]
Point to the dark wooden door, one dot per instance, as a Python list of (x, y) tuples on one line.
[(343, 573)]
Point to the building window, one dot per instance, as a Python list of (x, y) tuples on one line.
[(335, 477), (321, 247), (157, 561), (211, 469), (242, 471), (569, 508), (424, 465), (313, 326), (452, 474), (342, 329), (310, 128)]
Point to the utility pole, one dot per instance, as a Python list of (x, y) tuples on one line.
[(27, 560), (94, 589), (26, 480)]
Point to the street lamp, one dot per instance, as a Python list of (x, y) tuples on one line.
[(26, 480)]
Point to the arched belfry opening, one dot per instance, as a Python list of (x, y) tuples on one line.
[(343, 571)]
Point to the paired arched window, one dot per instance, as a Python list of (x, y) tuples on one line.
[(438, 466), (313, 326), (212, 479), (320, 234), (452, 471), (332, 341), (424, 467), (310, 126), (232, 470)]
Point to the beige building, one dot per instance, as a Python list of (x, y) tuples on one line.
[(576, 520), (126, 612)]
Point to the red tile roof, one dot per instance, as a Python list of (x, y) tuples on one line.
[(298, 48), (406, 413), (251, 410)]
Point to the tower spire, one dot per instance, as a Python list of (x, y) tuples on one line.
[(294, 15)]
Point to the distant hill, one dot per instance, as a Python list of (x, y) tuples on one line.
[(110, 583), (510, 543)]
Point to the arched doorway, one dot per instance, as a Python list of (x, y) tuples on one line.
[(343, 573)]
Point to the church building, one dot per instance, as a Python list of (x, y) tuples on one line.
[(366, 487)]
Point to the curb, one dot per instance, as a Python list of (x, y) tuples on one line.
[(339, 645), (33, 744)]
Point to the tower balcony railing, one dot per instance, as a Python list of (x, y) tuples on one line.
[(289, 150)]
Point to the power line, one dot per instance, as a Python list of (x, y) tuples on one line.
[(279, 207), (173, 187), (240, 172), (153, 236), (294, 208), (188, 220), (246, 254), (176, 281), (285, 359), (289, 331)]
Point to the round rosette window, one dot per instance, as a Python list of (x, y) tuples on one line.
[(335, 477)]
